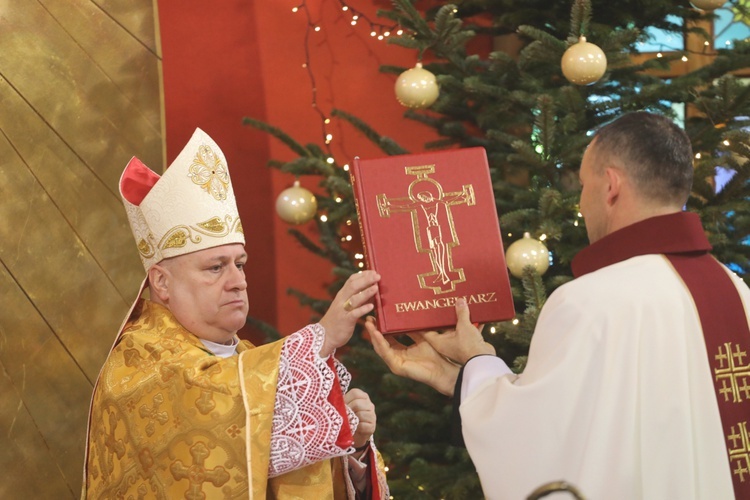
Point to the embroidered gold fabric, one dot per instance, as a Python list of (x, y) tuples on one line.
[(145, 249), (168, 420), (213, 225), (179, 236), (732, 372), (208, 171)]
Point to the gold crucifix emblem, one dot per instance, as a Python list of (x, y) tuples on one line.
[(733, 373), (432, 223)]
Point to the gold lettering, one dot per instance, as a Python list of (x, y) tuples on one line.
[(444, 302)]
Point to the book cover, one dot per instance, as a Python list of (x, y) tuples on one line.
[(429, 226)]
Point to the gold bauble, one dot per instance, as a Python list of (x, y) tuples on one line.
[(296, 205), (583, 63), (527, 251), (416, 88)]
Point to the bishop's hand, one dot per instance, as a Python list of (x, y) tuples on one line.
[(353, 301), (360, 404)]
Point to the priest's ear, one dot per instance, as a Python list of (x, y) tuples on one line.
[(615, 182), (158, 282)]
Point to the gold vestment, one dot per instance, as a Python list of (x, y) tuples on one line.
[(169, 420)]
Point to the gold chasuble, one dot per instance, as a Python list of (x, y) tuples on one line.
[(171, 420)]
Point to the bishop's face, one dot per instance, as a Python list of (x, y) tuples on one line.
[(594, 190), (208, 291)]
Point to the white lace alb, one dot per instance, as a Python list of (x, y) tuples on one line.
[(305, 424)]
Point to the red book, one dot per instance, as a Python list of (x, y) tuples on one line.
[(429, 226)]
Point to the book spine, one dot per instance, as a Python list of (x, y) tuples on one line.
[(359, 206)]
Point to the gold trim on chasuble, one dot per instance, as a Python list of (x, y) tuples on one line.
[(169, 419), (733, 374)]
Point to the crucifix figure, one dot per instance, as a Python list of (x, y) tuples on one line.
[(432, 222)]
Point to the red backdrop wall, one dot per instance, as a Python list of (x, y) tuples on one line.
[(246, 58)]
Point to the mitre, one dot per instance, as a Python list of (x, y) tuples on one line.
[(190, 207)]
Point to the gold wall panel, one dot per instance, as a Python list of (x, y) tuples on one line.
[(42, 407), (70, 89), (53, 266), (80, 93)]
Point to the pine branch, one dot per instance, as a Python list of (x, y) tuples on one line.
[(271, 333), (580, 18), (296, 147), (388, 145), (309, 165), (307, 243)]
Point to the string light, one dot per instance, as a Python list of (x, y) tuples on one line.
[(726, 143), (307, 65), (515, 321), (684, 58), (697, 156), (377, 30), (323, 218)]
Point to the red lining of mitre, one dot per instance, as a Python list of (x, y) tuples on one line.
[(136, 181)]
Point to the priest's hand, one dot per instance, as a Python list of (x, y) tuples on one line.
[(353, 301), (419, 361), (360, 404), (464, 342)]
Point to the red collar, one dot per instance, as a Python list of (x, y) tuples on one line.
[(676, 233)]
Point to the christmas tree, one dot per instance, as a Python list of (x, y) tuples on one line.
[(534, 118)]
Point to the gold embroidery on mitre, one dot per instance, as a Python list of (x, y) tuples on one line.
[(178, 239), (145, 249), (238, 226), (213, 225), (208, 172), (738, 445), (733, 374)]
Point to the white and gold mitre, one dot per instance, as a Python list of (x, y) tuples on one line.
[(189, 208)]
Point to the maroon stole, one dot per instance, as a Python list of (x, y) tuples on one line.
[(681, 239)]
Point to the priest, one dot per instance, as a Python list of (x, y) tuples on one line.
[(637, 383), (184, 409)]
